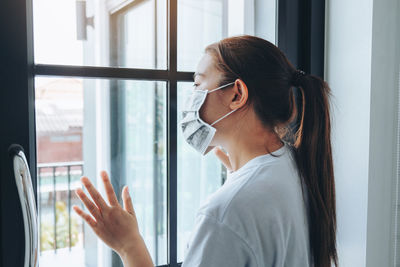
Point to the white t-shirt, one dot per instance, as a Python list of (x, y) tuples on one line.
[(258, 218)]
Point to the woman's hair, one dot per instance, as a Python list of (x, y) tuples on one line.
[(270, 79)]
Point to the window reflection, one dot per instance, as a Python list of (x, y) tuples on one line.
[(84, 126)]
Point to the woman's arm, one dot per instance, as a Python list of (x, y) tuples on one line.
[(116, 226), (137, 256)]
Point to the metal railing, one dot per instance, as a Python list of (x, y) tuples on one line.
[(57, 179)]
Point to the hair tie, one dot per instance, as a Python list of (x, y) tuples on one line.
[(296, 78)]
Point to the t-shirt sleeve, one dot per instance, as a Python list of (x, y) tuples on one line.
[(213, 243)]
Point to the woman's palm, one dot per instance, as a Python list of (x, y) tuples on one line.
[(116, 226)]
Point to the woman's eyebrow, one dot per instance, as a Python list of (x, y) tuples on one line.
[(198, 73)]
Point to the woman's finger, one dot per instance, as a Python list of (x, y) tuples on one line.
[(112, 198), (85, 216), (128, 206), (97, 198), (223, 157), (93, 209)]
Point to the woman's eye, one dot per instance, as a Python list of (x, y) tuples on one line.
[(195, 85)]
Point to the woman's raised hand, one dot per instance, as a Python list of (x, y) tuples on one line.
[(117, 226), (223, 157)]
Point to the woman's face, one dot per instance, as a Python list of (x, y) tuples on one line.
[(219, 102)]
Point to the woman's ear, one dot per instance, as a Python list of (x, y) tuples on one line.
[(240, 94)]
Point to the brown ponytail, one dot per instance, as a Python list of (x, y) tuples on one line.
[(269, 78), (314, 161)]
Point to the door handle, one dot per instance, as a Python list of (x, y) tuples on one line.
[(28, 204)]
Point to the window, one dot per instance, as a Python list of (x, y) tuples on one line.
[(110, 81), (72, 136), (89, 62)]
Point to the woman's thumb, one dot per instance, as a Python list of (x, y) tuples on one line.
[(223, 157)]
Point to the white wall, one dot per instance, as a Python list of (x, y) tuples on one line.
[(363, 125), (348, 72), (383, 131)]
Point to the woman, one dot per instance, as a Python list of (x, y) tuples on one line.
[(277, 206)]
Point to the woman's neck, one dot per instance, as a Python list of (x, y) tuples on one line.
[(249, 143)]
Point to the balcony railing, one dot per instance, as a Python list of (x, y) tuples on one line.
[(56, 181)]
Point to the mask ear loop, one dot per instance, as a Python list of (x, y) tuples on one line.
[(228, 112), (220, 87), (223, 117)]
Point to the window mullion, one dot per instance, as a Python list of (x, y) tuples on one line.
[(172, 134)]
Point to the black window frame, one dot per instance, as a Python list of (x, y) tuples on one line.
[(300, 35)]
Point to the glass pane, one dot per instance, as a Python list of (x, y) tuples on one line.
[(138, 156), (199, 24), (198, 177), (139, 36), (84, 126), (78, 32)]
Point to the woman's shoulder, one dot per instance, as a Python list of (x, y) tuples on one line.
[(216, 204), (267, 190)]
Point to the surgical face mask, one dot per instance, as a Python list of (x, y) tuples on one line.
[(196, 132)]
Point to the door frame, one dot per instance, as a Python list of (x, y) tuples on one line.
[(17, 120)]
